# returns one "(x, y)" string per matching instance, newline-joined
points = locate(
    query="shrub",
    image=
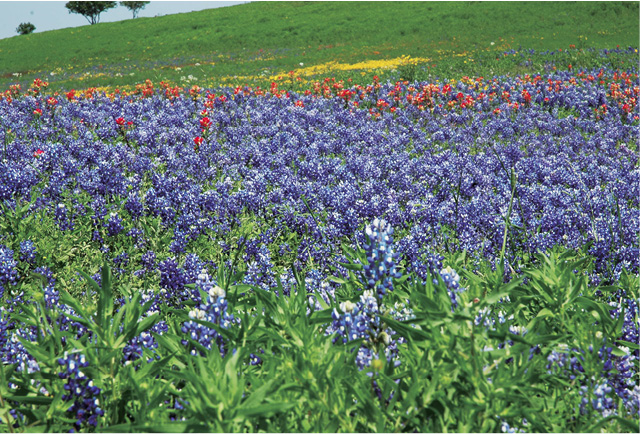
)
(25, 28)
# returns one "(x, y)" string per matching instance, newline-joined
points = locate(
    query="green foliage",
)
(455, 374)
(134, 7)
(25, 28)
(456, 36)
(91, 10)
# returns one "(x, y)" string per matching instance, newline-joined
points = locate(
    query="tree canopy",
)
(25, 28)
(90, 10)
(134, 7)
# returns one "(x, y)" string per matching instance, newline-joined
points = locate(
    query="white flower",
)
(347, 306)
(216, 291)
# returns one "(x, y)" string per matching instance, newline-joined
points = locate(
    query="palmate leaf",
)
(83, 317)
(601, 309)
(169, 343)
(254, 406)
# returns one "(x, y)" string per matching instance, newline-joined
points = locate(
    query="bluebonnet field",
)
(452, 255)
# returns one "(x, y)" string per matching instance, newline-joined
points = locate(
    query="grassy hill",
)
(264, 38)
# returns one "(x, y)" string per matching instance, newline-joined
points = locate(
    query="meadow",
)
(208, 48)
(356, 244)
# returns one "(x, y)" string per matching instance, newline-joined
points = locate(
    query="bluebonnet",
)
(361, 320)
(62, 218)
(114, 225)
(577, 186)
(134, 205)
(597, 400)
(148, 261)
(80, 391)
(28, 251)
(137, 236)
(8, 268)
(506, 428)
(51, 295)
(172, 277)
(120, 262)
(212, 309)
(134, 349)
(260, 271)
(381, 258)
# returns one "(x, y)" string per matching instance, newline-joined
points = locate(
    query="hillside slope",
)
(278, 36)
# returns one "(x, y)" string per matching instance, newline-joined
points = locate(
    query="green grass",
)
(271, 38)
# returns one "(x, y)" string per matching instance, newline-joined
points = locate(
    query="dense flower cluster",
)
(213, 310)
(430, 164)
(80, 391)
(361, 320)
(381, 258)
(8, 272)
(28, 251)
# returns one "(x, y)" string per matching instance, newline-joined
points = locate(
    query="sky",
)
(52, 15)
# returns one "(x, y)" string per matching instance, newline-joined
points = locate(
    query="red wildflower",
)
(205, 122)
(38, 153)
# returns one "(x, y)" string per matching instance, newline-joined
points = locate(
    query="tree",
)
(90, 10)
(134, 7)
(25, 28)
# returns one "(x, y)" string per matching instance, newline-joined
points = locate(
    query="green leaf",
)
(105, 301)
(321, 316)
(353, 267)
(627, 344)
(265, 410)
(405, 330)
(35, 400)
(146, 324)
(166, 427)
(544, 313)
(631, 426)
(169, 343)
